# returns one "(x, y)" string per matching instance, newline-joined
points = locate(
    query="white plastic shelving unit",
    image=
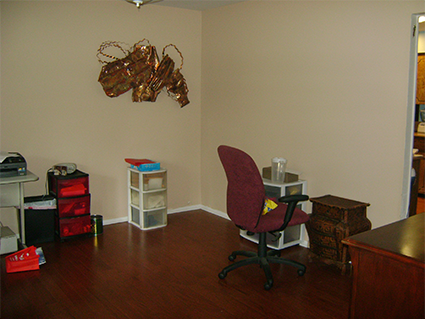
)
(147, 198)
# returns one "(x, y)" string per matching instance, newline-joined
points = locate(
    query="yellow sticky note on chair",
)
(269, 205)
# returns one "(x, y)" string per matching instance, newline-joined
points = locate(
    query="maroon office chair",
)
(245, 202)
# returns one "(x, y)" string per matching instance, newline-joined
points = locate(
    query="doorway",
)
(411, 110)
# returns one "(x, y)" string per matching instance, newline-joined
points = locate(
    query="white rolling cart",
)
(147, 198)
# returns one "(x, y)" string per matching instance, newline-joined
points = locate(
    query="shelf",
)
(149, 191)
(148, 210)
(154, 190)
(291, 236)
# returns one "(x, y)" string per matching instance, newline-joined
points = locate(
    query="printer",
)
(12, 164)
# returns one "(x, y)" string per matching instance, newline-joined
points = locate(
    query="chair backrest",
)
(245, 188)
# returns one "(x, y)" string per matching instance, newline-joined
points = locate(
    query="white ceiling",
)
(202, 5)
(199, 5)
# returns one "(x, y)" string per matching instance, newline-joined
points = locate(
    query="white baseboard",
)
(215, 212)
(115, 221)
(184, 209)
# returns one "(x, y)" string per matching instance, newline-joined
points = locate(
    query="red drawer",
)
(76, 184)
(67, 227)
(75, 206)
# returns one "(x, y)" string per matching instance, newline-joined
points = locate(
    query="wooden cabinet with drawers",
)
(333, 219)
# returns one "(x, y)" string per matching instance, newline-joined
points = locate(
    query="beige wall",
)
(323, 84)
(54, 110)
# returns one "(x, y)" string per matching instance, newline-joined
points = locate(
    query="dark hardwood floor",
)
(171, 272)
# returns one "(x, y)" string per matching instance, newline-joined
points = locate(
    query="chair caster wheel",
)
(232, 257)
(268, 285)
(222, 275)
(301, 272)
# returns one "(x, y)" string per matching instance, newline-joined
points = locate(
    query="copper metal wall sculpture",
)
(141, 70)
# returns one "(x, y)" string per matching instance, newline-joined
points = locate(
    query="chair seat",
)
(273, 220)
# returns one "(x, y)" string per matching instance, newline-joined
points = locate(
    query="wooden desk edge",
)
(390, 254)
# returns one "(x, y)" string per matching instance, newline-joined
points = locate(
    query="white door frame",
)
(410, 119)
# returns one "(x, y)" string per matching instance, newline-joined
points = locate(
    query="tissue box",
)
(147, 167)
